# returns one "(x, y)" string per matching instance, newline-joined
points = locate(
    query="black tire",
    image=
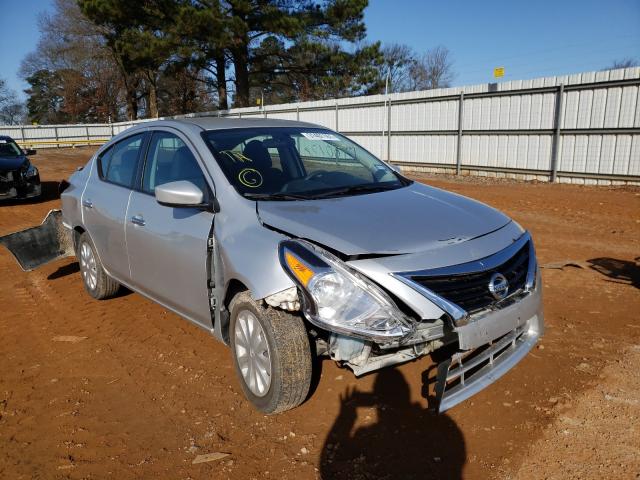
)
(289, 355)
(96, 281)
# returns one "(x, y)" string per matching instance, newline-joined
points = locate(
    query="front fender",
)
(248, 250)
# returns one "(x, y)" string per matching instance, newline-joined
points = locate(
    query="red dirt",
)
(125, 389)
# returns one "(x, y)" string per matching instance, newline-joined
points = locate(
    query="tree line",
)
(110, 60)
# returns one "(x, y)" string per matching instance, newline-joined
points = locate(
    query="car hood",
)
(411, 219)
(11, 163)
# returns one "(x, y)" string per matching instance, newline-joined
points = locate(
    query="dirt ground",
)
(125, 389)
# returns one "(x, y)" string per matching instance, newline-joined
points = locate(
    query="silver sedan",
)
(289, 242)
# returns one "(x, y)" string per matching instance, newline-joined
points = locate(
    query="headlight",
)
(339, 299)
(30, 172)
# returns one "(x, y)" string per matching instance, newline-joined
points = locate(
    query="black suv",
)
(18, 177)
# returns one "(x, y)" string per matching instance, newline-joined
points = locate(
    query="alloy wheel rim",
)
(88, 266)
(252, 353)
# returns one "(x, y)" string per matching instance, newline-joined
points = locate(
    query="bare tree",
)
(5, 93)
(75, 48)
(434, 69)
(624, 63)
(12, 113)
(398, 60)
(11, 108)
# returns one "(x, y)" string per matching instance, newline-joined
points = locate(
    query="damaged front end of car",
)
(485, 333)
(366, 328)
(19, 183)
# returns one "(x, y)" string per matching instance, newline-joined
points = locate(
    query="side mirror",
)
(30, 151)
(180, 194)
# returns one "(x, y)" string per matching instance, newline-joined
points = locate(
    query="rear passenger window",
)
(118, 164)
(169, 160)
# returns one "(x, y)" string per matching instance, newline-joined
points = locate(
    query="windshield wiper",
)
(276, 196)
(362, 188)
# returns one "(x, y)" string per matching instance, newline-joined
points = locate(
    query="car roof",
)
(7, 138)
(199, 124)
(224, 123)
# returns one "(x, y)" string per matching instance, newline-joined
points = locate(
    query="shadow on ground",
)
(620, 271)
(65, 270)
(74, 268)
(400, 440)
(50, 191)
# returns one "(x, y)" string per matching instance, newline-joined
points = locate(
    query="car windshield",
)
(9, 148)
(293, 163)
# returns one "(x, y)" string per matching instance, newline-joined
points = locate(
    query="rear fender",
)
(37, 246)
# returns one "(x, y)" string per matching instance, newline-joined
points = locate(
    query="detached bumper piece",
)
(466, 373)
(37, 246)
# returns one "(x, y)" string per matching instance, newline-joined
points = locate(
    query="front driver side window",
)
(170, 160)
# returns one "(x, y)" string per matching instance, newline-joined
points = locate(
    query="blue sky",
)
(529, 38)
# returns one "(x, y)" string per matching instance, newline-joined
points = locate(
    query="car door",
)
(105, 201)
(168, 246)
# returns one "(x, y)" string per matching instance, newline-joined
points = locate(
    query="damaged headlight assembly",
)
(339, 299)
(30, 172)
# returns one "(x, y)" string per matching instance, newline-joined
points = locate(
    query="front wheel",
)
(271, 354)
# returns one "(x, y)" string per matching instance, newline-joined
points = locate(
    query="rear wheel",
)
(96, 281)
(271, 354)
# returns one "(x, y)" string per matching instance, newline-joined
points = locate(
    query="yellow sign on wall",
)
(498, 72)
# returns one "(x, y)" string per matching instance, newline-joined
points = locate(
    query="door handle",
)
(87, 203)
(138, 220)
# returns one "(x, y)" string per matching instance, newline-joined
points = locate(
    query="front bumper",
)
(21, 190)
(490, 345)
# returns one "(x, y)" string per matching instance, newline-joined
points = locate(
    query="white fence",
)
(582, 128)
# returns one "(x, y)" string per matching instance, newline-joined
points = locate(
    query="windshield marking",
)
(236, 156)
(320, 136)
(250, 177)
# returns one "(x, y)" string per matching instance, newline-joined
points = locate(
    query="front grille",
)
(6, 176)
(470, 291)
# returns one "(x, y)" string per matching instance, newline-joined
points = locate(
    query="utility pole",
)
(386, 95)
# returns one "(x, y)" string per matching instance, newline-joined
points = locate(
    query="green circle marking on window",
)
(250, 177)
